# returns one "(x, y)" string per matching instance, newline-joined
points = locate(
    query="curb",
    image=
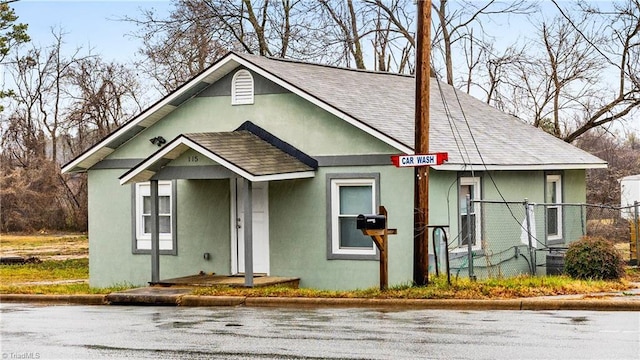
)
(512, 304)
(581, 304)
(397, 304)
(84, 299)
(198, 300)
(450, 304)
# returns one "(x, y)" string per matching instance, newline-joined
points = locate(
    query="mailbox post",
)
(376, 227)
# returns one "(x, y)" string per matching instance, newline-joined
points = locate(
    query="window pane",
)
(355, 200)
(352, 237)
(146, 221)
(465, 230)
(164, 204)
(464, 191)
(551, 192)
(146, 204)
(552, 221)
(165, 224)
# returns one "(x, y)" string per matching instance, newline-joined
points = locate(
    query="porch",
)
(205, 280)
(250, 158)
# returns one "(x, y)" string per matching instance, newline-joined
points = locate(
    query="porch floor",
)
(232, 281)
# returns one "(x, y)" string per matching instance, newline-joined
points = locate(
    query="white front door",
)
(260, 205)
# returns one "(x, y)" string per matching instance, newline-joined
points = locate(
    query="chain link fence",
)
(507, 239)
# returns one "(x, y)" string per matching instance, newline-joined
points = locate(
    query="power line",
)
(583, 35)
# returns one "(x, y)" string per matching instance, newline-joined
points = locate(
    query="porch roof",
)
(242, 151)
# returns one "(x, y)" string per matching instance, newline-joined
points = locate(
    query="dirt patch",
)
(45, 247)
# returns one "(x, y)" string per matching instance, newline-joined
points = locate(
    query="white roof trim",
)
(479, 167)
(130, 177)
(147, 113)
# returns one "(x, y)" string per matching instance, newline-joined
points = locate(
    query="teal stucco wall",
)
(203, 226)
(289, 117)
(299, 231)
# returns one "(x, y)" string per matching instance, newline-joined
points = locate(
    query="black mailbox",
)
(374, 222)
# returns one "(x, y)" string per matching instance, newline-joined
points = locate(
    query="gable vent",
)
(242, 88)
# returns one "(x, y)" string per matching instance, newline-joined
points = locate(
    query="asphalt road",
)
(99, 332)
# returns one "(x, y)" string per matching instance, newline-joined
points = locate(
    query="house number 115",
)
(193, 158)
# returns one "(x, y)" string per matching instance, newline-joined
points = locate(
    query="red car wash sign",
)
(419, 160)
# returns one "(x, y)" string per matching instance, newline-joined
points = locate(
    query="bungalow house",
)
(311, 145)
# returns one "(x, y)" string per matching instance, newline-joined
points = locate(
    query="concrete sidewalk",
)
(628, 300)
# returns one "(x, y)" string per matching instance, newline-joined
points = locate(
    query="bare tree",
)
(394, 42)
(580, 73)
(602, 184)
(37, 75)
(197, 33)
(622, 54)
(333, 32)
(180, 46)
(102, 97)
(455, 23)
(71, 100)
(345, 15)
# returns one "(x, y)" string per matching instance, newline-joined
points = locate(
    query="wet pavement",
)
(146, 332)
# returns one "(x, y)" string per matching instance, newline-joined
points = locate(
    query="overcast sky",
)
(88, 24)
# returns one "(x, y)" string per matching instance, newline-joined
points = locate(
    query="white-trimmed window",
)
(166, 207)
(469, 186)
(553, 199)
(242, 88)
(348, 198)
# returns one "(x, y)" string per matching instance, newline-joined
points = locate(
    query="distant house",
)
(312, 143)
(629, 194)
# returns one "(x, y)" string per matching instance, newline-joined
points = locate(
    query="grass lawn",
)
(463, 288)
(46, 271)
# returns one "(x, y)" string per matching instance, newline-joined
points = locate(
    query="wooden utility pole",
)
(421, 188)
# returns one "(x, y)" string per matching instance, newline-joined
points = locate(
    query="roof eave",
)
(518, 167)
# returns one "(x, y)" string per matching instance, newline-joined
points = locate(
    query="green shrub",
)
(593, 258)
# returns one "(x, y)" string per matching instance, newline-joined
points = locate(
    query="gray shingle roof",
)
(241, 151)
(385, 102)
(248, 152)
(383, 105)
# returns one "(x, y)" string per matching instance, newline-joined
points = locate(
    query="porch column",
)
(155, 233)
(248, 233)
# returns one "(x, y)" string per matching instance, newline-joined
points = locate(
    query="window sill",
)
(555, 242)
(148, 252)
(332, 256)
